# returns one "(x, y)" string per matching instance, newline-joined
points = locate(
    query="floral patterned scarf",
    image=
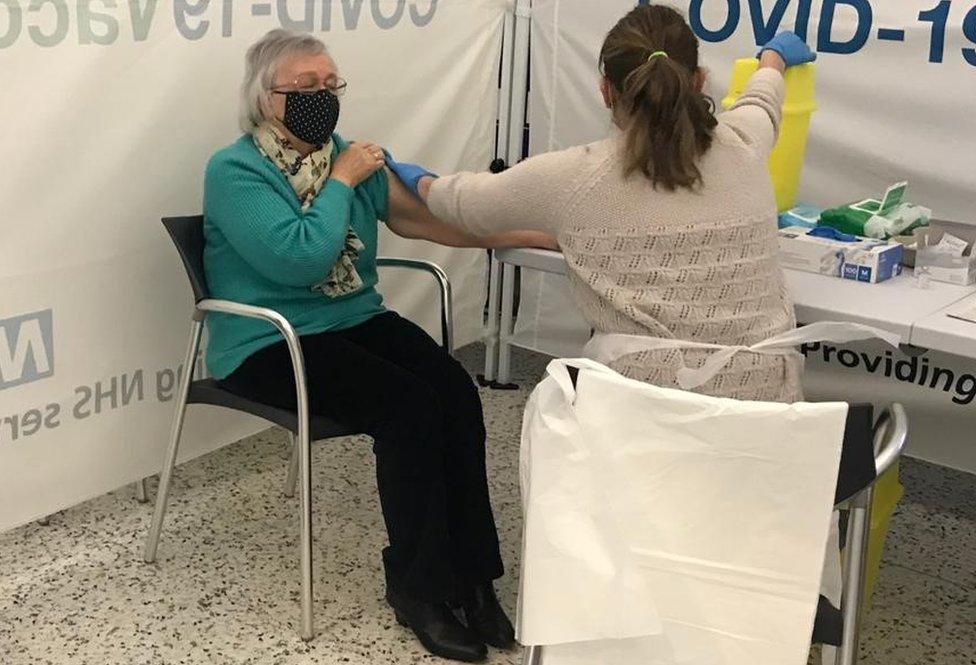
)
(307, 176)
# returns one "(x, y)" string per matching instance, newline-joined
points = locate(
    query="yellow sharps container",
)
(786, 160)
(888, 491)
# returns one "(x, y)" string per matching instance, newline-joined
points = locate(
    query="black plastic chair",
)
(870, 449)
(187, 235)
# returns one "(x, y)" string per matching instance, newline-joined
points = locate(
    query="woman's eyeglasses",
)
(311, 85)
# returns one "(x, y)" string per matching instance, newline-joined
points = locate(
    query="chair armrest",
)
(890, 436)
(291, 339)
(444, 287)
(249, 311)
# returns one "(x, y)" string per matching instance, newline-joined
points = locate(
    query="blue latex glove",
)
(409, 174)
(832, 234)
(791, 48)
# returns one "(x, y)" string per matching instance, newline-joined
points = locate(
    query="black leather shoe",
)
(437, 628)
(487, 618)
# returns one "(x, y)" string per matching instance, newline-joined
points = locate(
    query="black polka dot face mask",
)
(312, 116)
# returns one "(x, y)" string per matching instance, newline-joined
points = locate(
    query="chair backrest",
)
(187, 235)
(857, 470)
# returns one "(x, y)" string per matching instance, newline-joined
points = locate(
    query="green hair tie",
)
(657, 54)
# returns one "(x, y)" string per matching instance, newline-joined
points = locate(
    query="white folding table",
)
(899, 305)
(944, 333)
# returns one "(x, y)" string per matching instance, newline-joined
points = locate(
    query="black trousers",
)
(390, 380)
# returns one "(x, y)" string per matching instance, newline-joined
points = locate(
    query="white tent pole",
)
(511, 124)
(505, 93)
(503, 152)
(520, 80)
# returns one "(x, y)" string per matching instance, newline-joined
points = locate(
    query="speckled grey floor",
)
(225, 587)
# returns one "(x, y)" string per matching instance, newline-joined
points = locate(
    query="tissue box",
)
(863, 260)
(944, 267)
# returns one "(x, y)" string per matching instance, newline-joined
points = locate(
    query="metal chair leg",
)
(162, 494)
(142, 493)
(855, 559)
(532, 655)
(293, 463)
(305, 471)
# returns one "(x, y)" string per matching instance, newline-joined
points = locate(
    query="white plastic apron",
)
(666, 527)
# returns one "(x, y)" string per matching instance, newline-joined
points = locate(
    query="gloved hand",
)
(409, 174)
(791, 48)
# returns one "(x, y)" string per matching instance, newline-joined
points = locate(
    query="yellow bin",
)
(887, 493)
(786, 160)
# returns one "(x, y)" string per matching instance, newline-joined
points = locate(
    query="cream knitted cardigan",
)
(693, 265)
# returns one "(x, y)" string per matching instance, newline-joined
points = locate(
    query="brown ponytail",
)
(668, 123)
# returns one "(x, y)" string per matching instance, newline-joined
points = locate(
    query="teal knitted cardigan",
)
(262, 250)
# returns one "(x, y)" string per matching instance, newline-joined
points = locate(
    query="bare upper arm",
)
(407, 213)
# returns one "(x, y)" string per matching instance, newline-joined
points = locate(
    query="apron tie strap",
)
(606, 347)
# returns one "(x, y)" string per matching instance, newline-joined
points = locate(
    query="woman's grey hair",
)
(262, 61)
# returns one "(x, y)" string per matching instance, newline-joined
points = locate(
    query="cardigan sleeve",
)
(528, 196)
(755, 116)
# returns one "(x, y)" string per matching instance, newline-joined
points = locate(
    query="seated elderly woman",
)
(291, 213)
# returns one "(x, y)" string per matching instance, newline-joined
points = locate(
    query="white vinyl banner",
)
(112, 110)
(937, 389)
(896, 85)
